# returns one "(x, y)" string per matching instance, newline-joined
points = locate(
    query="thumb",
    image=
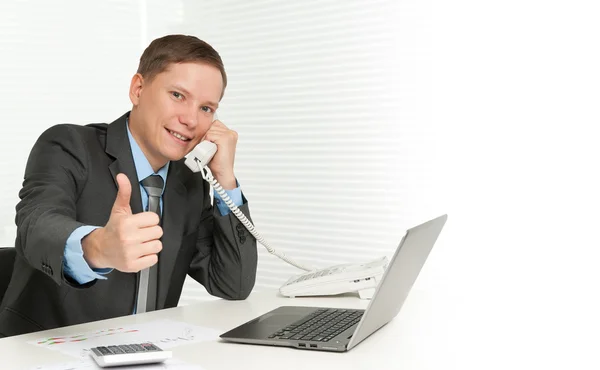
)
(123, 195)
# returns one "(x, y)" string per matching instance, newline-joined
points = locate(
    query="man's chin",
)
(174, 157)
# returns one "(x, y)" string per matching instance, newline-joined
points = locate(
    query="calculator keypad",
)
(127, 348)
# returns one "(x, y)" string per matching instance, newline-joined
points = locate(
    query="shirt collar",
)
(142, 166)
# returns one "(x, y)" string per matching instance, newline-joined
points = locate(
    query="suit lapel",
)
(174, 199)
(117, 145)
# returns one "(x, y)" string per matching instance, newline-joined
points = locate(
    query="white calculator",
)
(129, 354)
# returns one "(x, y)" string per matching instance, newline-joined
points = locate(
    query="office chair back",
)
(7, 261)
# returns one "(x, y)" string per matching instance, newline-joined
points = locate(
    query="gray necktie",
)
(147, 288)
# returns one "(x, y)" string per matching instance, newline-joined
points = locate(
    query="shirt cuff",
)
(236, 198)
(74, 264)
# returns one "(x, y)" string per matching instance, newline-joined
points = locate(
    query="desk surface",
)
(394, 343)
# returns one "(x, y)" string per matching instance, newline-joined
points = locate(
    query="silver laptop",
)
(339, 330)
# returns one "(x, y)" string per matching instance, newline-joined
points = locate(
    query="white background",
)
(500, 102)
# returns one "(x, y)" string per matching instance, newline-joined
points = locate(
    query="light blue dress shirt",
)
(75, 265)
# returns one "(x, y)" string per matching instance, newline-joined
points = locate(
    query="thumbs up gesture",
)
(128, 242)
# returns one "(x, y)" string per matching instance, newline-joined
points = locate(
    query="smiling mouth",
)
(178, 135)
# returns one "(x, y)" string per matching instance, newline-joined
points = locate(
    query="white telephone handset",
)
(361, 278)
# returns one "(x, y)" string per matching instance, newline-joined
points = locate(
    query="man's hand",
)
(128, 242)
(221, 165)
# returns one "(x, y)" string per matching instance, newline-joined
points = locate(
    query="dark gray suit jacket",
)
(69, 182)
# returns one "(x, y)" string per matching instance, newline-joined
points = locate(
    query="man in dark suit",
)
(94, 241)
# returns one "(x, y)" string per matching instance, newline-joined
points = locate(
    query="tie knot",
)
(154, 185)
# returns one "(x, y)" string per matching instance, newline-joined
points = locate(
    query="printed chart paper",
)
(165, 334)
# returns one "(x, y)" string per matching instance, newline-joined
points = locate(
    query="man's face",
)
(172, 112)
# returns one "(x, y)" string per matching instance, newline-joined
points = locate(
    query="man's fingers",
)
(146, 255)
(150, 233)
(217, 124)
(145, 219)
(151, 247)
(216, 129)
(216, 136)
(145, 262)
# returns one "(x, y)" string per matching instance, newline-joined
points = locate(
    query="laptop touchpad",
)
(277, 320)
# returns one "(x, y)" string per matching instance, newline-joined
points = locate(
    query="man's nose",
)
(189, 118)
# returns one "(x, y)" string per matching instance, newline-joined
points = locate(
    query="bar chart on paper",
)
(164, 333)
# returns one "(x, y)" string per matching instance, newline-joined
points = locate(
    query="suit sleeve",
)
(45, 215)
(226, 258)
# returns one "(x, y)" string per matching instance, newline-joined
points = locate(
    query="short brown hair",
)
(178, 49)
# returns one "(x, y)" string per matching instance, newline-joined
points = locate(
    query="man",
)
(111, 220)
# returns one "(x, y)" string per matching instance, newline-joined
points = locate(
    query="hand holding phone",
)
(222, 163)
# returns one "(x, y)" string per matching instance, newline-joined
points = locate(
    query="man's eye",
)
(207, 109)
(176, 95)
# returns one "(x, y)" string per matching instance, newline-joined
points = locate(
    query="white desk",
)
(392, 343)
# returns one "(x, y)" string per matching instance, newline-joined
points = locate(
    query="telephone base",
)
(361, 278)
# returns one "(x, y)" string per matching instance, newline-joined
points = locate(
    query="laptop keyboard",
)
(321, 325)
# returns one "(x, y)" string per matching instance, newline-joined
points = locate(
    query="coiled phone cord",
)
(207, 175)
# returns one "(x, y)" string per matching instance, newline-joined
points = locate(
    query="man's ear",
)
(135, 88)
